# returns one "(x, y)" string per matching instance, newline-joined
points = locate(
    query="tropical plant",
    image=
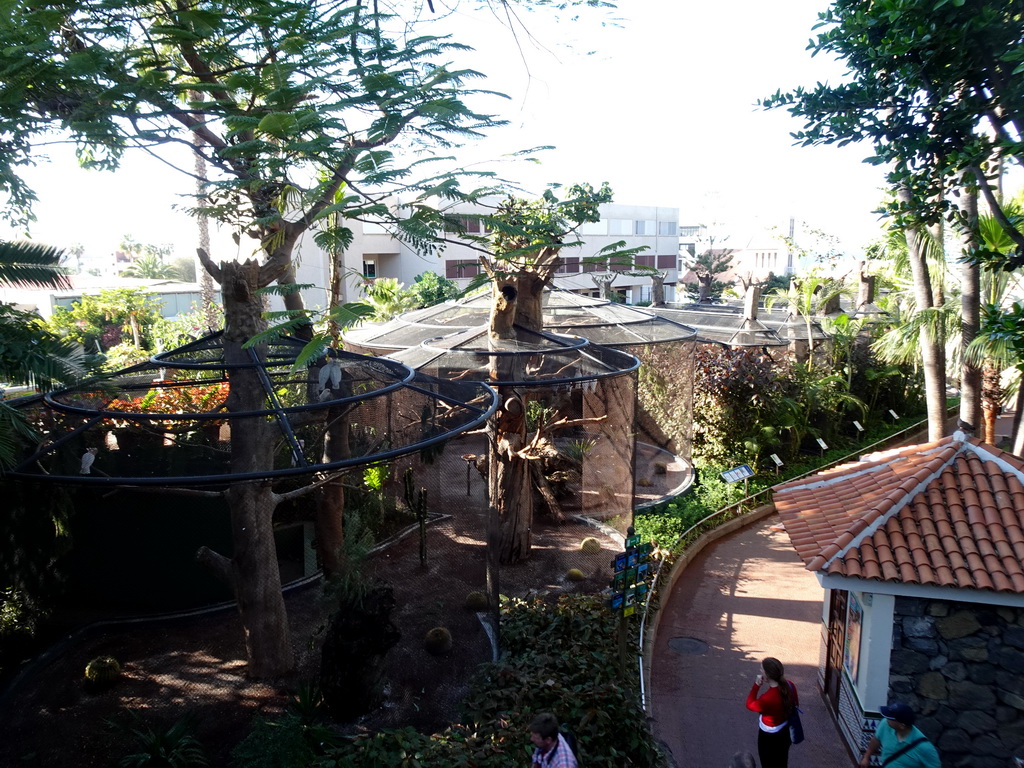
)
(157, 747)
(430, 288)
(807, 299)
(152, 267)
(388, 298)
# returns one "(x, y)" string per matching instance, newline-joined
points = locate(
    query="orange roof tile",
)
(949, 513)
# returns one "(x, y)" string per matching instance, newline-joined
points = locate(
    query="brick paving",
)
(745, 597)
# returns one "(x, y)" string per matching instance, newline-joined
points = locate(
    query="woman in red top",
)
(774, 706)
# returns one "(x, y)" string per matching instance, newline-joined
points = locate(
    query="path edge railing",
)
(719, 523)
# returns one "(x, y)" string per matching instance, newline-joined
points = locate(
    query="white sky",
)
(663, 109)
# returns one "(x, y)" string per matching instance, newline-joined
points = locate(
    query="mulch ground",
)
(197, 665)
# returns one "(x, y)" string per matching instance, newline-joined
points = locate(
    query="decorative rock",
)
(966, 695)
(918, 627)
(960, 624)
(989, 744)
(1015, 701)
(907, 662)
(953, 740)
(1014, 636)
(955, 670)
(1005, 714)
(901, 685)
(946, 715)
(923, 644)
(940, 661)
(909, 606)
(976, 721)
(1012, 734)
(938, 609)
(982, 674)
(1011, 660)
(969, 649)
(932, 685)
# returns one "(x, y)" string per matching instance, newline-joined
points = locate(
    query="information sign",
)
(858, 426)
(741, 472)
(630, 569)
(776, 459)
(821, 442)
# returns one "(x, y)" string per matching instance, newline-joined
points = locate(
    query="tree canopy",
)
(936, 86)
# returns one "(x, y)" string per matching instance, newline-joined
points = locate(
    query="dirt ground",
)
(196, 665)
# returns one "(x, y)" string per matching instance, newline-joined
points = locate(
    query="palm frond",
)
(31, 265)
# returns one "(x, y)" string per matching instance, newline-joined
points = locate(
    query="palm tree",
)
(151, 267)
(807, 298)
(30, 354)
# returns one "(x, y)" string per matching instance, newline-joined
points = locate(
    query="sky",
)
(660, 103)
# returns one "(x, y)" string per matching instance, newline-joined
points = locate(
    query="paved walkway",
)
(745, 597)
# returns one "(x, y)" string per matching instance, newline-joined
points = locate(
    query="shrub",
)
(102, 672)
(477, 601)
(575, 574)
(590, 545)
(560, 657)
(438, 641)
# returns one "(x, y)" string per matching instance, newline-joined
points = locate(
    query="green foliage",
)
(387, 298)
(737, 395)
(577, 450)
(430, 288)
(560, 657)
(152, 267)
(89, 317)
(171, 334)
(158, 747)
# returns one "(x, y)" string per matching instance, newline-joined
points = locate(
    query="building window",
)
(666, 260)
(645, 260)
(668, 228)
(645, 227)
(620, 226)
(454, 269)
(594, 227)
(370, 270)
(570, 266)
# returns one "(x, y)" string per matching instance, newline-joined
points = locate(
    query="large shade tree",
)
(303, 104)
(935, 87)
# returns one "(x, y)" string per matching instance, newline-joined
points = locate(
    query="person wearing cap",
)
(902, 744)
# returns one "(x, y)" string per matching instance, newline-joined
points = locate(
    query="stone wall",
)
(961, 666)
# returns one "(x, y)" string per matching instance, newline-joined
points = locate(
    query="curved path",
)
(746, 596)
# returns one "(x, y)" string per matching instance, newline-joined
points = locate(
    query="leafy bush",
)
(559, 657)
(171, 747)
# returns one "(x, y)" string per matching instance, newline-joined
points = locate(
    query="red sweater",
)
(769, 704)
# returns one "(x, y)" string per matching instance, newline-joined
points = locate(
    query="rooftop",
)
(948, 514)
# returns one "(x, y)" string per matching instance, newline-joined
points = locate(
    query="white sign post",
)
(824, 447)
(778, 462)
(859, 428)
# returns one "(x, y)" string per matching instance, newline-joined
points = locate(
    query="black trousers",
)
(773, 748)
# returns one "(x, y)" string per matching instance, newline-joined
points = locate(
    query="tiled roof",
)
(948, 513)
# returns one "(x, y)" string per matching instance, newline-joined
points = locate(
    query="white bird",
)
(87, 459)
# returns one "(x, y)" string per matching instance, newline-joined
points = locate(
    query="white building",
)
(375, 253)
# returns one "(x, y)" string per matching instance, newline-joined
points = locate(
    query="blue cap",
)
(900, 712)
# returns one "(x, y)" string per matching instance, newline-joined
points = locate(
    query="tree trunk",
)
(203, 222)
(658, 289)
(991, 400)
(704, 287)
(970, 324)
(330, 502)
(932, 352)
(509, 479)
(254, 569)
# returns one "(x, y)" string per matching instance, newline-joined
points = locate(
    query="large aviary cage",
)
(142, 452)
(664, 346)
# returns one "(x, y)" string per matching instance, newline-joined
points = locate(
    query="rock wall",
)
(961, 666)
